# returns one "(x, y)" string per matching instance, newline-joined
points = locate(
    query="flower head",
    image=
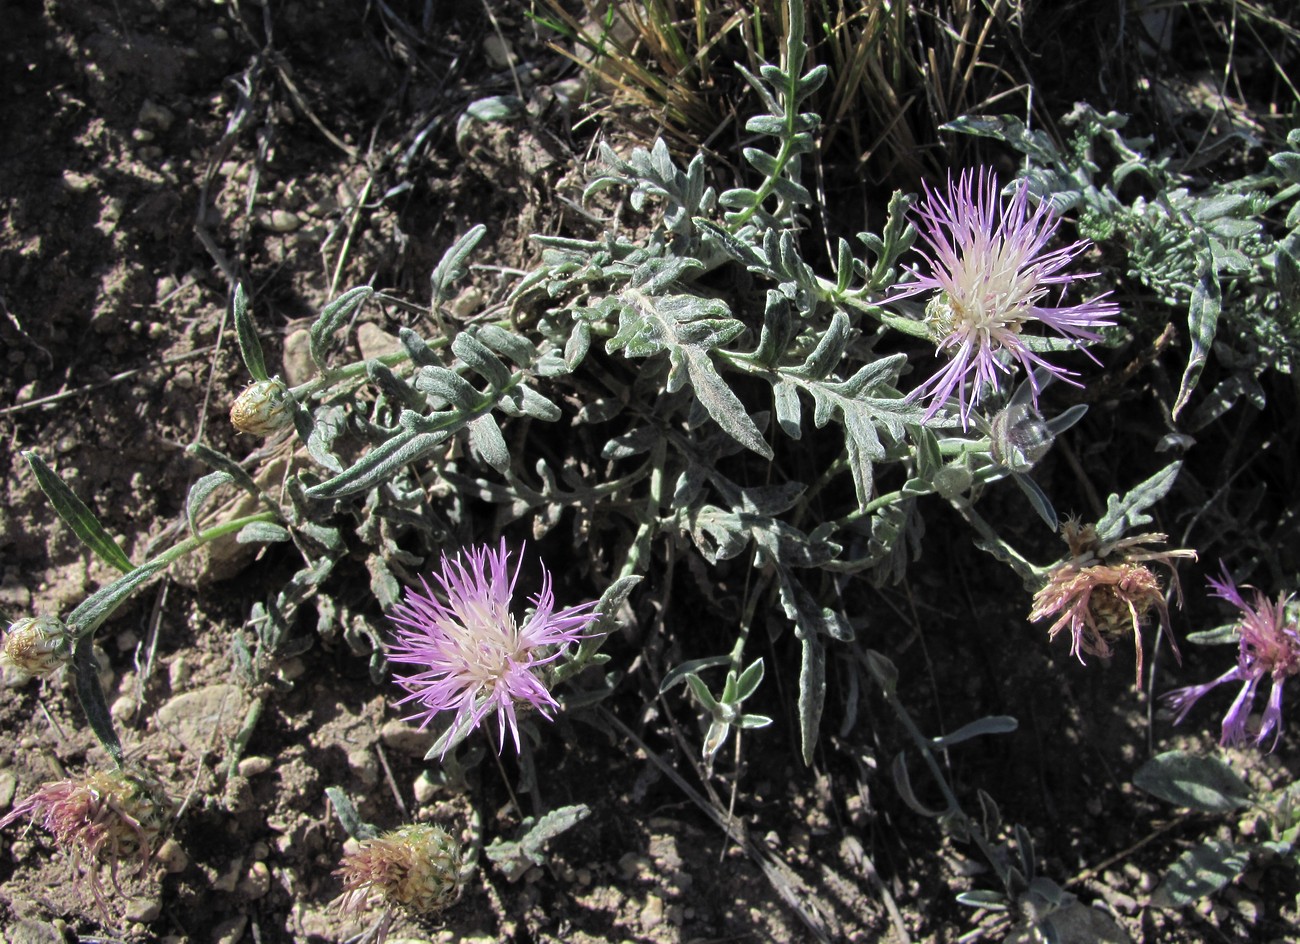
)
(104, 819)
(1105, 589)
(36, 646)
(263, 408)
(1269, 647)
(416, 868)
(472, 655)
(990, 273)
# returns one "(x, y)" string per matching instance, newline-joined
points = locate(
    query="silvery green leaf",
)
(702, 694)
(262, 532)
(1202, 325)
(1200, 871)
(85, 671)
(812, 693)
(481, 360)
(92, 611)
(679, 673)
(514, 858)
(380, 464)
(508, 344)
(74, 512)
(753, 722)
(903, 783)
(1287, 164)
(722, 404)
(789, 412)
(830, 349)
(449, 386)
(749, 680)
(216, 460)
(1193, 781)
(486, 441)
(419, 350)
(332, 317)
(382, 582)
(1125, 514)
(393, 386)
(250, 349)
(983, 898)
(993, 724)
(199, 494)
(329, 423)
(528, 402)
(632, 443)
(350, 820)
(1219, 636)
(576, 347)
(454, 263)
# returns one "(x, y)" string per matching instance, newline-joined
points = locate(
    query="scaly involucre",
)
(472, 657)
(1269, 647)
(991, 274)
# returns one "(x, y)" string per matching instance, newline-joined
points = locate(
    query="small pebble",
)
(257, 881)
(283, 221)
(123, 709)
(252, 766)
(173, 858)
(142, 910)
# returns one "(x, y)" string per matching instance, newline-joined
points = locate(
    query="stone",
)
(230, 930)
(203, 717)
(374, 341)
(254, 765)
(8, 786)
(142, 910)
(405, 739)
(173, 857)
(297, 363)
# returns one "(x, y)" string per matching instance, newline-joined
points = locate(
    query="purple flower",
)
(1269, 647)
(472, 656)
(990, 274)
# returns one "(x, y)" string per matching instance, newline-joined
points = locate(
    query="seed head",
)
(36, 645)
(416, 868)
(1268, 648)
(263, 408)
(990, 273)
(105, 819)
(472, 657)
(1106, 590)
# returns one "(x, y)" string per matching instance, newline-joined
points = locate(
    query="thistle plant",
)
(700, 386)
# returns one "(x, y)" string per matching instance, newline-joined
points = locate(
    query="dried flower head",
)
(990, 272)
(472, 655)
(1105, 589)
(106, 818)
(36, 645)
(416, 868)
(1268, 647)
(263, 408)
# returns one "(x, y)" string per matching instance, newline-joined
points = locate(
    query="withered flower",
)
(1107, 589)
(107, 818)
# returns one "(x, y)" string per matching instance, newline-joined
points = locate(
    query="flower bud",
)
(1020, 437)
(263, 408)
(36, 645)
(414, 867)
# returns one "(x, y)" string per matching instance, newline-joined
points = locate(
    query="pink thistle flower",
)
(989, 271)
(103, 819)
(1269, 647)
(473, 657)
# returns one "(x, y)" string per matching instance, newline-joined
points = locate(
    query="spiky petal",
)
(1268, 648)
(472, 656)
(990, 273)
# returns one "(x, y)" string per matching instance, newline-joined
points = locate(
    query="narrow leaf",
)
(249, 347)
(76, 515)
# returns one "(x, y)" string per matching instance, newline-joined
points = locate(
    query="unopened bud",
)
(263, 408)
(1020, 437)
(415, 867)
(36, 645)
